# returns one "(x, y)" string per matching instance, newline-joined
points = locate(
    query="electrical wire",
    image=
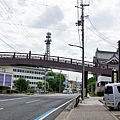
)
(101, 35)
(13, 42)
(23, 30)
(8, 44)
(36, 43)
(40, 27)
(78, 19)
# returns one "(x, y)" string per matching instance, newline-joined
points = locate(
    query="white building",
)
(33, 74)
(103, 80)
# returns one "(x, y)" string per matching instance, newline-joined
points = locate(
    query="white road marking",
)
(1, 108)
(32, 101)
(41, 117)
(13, 99)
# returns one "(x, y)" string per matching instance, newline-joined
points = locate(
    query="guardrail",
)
(77, 101)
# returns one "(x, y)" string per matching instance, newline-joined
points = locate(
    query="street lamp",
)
(75, 46)
(83, 78)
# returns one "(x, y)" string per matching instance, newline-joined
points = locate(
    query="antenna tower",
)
(48, 42)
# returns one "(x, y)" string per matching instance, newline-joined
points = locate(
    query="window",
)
(108, 90)
(14, 70)
(118, 87)
(1, 79)
(8, 79)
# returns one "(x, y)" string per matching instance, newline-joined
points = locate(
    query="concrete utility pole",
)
(119, 61)
(81, 22)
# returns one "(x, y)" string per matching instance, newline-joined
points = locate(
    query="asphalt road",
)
(33, 107)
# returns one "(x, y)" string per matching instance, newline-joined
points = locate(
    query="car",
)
(112, 95)
(67, 91)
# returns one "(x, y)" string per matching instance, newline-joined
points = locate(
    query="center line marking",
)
(32, 101)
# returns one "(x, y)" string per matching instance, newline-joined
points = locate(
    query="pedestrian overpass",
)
(53, 62)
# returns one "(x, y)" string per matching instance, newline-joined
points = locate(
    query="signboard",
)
(50, 77)
(66, 83)
(114, 76)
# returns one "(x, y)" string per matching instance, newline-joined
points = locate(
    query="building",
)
(72, 85)
(107, 60)
(10, 73)
(6, 79)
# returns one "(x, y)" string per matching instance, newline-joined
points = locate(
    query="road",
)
(33, 107)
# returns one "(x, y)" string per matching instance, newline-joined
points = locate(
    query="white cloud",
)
(49, 17)
(24, 24)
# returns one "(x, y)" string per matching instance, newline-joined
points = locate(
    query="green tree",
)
(39, 85)
(21, 84)
(59, 84)
(47, 85)
(56, 83)
(91, 83)
(51, 81)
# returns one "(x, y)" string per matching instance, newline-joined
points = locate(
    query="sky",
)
(24, 24)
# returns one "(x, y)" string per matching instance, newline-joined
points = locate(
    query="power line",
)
(39, 27)
(100, 34)
(101, 37)
(12, 41)
(16, 19)
(78, 23)
(8, 45)
(23, 30)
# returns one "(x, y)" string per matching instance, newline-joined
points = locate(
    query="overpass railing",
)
(43, 57)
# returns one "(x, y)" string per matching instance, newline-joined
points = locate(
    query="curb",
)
(63, 115)
(102, 101)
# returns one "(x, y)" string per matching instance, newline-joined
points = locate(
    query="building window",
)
(1, 79)
(8, 79)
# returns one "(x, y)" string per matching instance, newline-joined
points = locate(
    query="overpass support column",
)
(85, 83)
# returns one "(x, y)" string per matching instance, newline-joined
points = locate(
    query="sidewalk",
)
(90, 109)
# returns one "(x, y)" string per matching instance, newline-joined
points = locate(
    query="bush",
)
(16, 91)
(92, 94)
(50, 90)
(4, 88)
(9, 91)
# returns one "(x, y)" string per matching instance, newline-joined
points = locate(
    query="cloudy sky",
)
(24, 24)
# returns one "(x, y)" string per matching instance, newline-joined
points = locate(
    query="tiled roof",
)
(105, 54)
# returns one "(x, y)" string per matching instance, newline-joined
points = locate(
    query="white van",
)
(112, 95)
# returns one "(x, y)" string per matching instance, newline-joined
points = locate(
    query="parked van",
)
(112, 95)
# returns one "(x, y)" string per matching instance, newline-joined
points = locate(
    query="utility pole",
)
(81, 22)
(83, 68)
(60, 82)
(119, 61)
